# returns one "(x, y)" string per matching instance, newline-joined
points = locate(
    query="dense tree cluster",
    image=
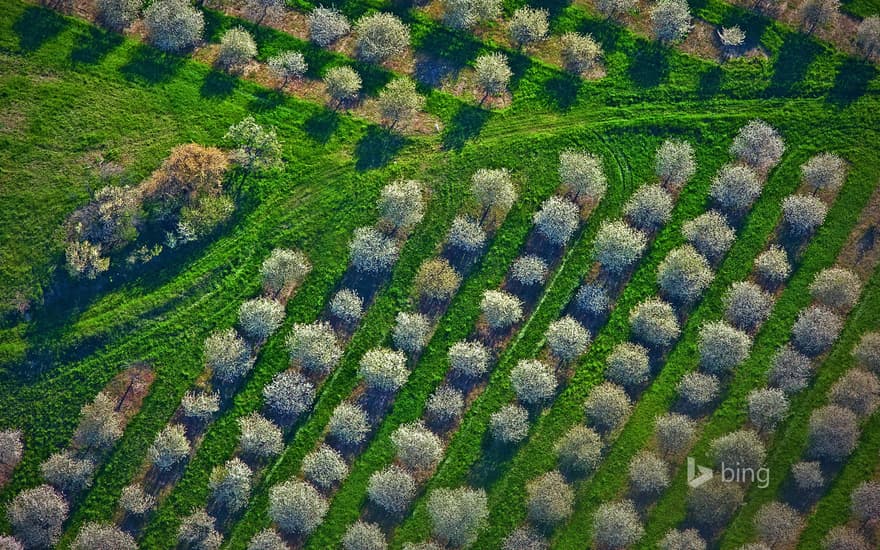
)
(592, 299)
(327, 25)
(67, 472)
(198, 531)
(411, 332)
(314, 347)
(684, 275)
(557, 220)
(808, 476)
(674, 162)
(135, 501)
(117, 15)
(267, 539)
(739, 449)
(767, 407)
(380, 36)
(735, 188)
(844, 537)
(815, 330)
(758, 144)
(772, 266)
(712, 504)
(259, 318)
(466, 235)
(697, 390)
(469, 358)
(227, 355)
(858, 390)
(866, 501)
(288, 66)
(230, 485)
(868, 37)
(173, 25)
(649, 207)
(689, 539)
(825, 171)
(615, 8)
(37, 516)
(803, 214)
(445, 405)
(867, 352)
(401, 204)
(816, 14)
(364, 536)
(836, 288)
(607, 406)
(778, 524)
(648, 474)
(466, 14)
(653, 322)
(833, 433)
(674, 432)
(710, 234)
(617, 246)
(525, 537)
(457, 514)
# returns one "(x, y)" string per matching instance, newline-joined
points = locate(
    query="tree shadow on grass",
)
(36, 26)
(218, 85)
(96, 47)
(150, 66)
(563, 90)
(321, 125)
(792, 62)
(710, 82)
(851, 82)
(377, 148)
(464, 125)
(266, 100)
(649, 65)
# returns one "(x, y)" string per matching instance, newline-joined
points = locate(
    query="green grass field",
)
(71, 93)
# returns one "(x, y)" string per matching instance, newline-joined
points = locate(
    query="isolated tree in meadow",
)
(383, 370)
(684, 275)
(550, 499)
(457, 514)
(267, 539)
(169, 448)
(722, 347)
(411, 332)
(392, 489)
(259, 437)
(778, 524)
(494, 191)
(237, 49)
(758, 144)
(315, 347)
(117, 15)
(528, 25)
(284, 269)
(173, 25)
(671, 20)
(343, 84)
(255, 148)
(135, 501)
(230, 485)
(324, 467)
(607, 406)
(37, 516)
(825, 171)
(747, 305)
(808, 476)
(288, 396)
(399, 100)
(791, 370)
(364, 536)
(689, 539)
(469, 358)
(617, 246)
(445, 405)
(648, 208)
(767, 407)
(712, 504)
(567, 339)
(579, 451)
(836, 288)
(380, 36)
(347, 305)
(867, 352)
(592, 299)
(615, 9)
(510, 424)
(803, 214)
(349, 424)
(418, 448)
(528, 270)
(557, 220)
(260, 317)
(102, 536)
(466, 235)
(868, 37)
(68, 473)
(710, 234)
(817, 14)
(628, 365)
(648, 474)
(288, 66)
(100, 424)
(866, 501)
(372, 251)
(501, 309)
(525, 537)
(735, 188)
(674, 432)
(653, 323)
(466, 14)
(844, 537)
(296, 507)
(582, 175)
(739, 449)
(401, 204)
(436, 280)
(533, 381)
(858, 390)
(616, 525)
(772, 266)
(697, 390)
(815, 330)
(227, 355)
(580, 52)
(674, 162)
(327, 25)
(833, 433)
(492, 74)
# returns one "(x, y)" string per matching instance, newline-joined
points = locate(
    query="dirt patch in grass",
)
(862, 250)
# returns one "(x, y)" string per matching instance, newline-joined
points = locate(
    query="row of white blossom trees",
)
(725, 344)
